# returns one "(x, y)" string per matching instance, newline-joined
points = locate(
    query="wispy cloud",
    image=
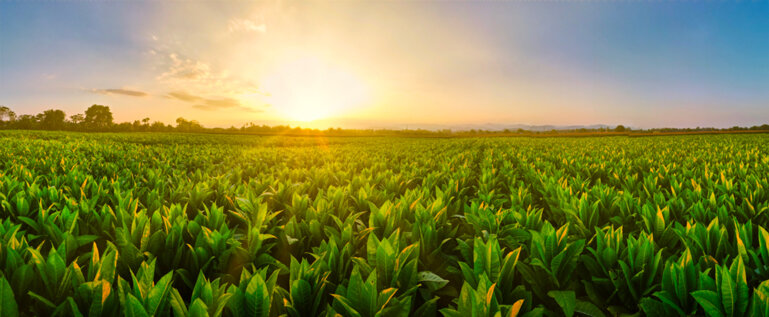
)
(183, 96)
(124, 92)
(180, 71)
(214, 104)
(202, 83)
(185, 69)
(210, 104)
(245, 25)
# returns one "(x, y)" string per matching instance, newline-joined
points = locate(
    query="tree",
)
(6, 112)
(187, 126)
(77, 118)
(52, 119)
(620, 128)
(158, 126)
(98, 117)
(26, 121)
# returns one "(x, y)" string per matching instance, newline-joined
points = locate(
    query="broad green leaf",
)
(726, 289)
(710, 302)
(8, 305)
(158, 294)
(134, 307)
(198, 309)
(434, 281)
(257, 297)
(346, 305)
(588, 309)
(566, 299)
(301, 294)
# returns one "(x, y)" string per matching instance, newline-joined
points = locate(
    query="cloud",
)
(124, 92)
(210, 104)
(183, 96)
(186, 69)
(202, 85)
(181, 72)
(245, 25)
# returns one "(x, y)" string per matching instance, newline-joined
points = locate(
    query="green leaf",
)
(56, 266)
(385, 262)
(72, 307)
(710, 302)
(198, 309)
(385, 297)
(301, 295)
(741, 292)
(432, 280)
(466, 300)
(108, 265)
(8, 305)
(566, 299)
(588, 308)
(158, 294)
(42, 299)
(652, 307)
(668, 301)
(346, 305)
(199, 289)
(726, 288)
(257, 297)
(177, 303)
(134, 307)
(427, 308)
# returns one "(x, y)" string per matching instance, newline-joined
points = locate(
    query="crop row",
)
(196, 225)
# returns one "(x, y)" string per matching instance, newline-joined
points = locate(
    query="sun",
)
(308, 88)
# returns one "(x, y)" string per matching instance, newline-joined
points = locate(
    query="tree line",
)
(98, 118)
(95, 118)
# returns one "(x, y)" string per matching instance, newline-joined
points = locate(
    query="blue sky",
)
(643, 64)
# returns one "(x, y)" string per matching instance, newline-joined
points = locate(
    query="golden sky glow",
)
(306, 88)
(390, 64)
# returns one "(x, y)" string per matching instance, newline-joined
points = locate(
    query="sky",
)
(391, 64)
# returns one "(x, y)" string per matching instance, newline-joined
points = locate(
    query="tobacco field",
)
(150, 224)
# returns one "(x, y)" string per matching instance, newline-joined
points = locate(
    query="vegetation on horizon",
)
(227, 225)
(98, 118)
